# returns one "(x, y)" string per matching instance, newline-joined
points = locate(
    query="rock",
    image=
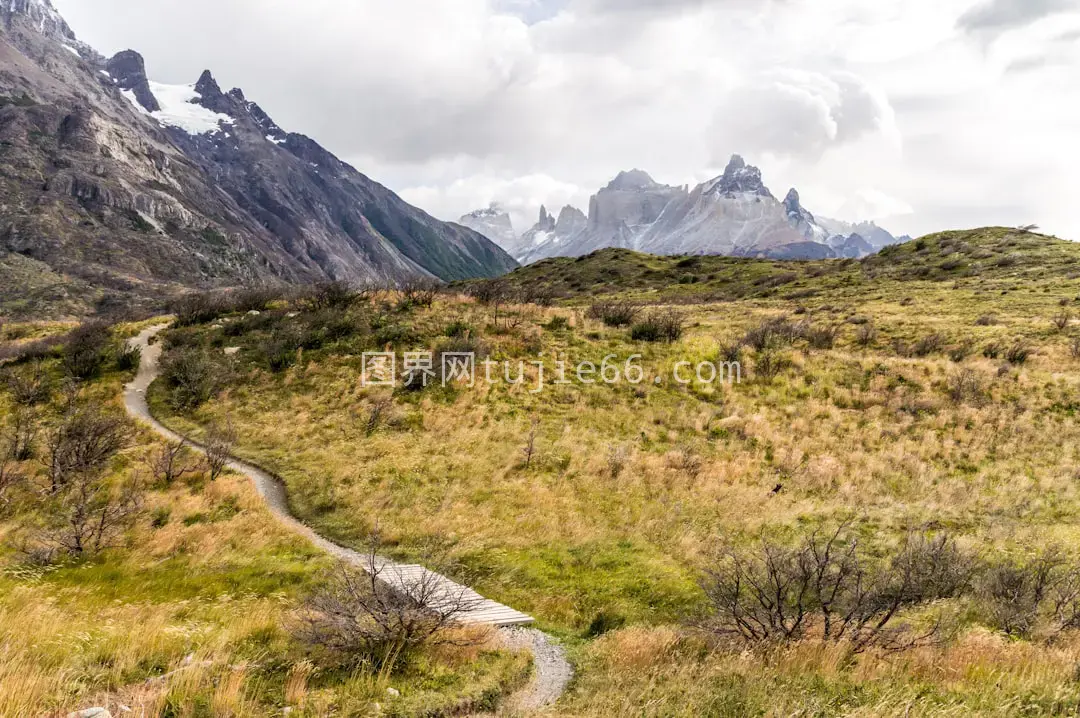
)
(393, 692)
(254, 313)
(232, 351)
(128, 69)
(91, 713)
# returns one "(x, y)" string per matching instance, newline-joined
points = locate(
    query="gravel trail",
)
(552, 672)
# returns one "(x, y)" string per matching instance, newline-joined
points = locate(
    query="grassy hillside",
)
(932, 389)
(187, 608)
(989, 258)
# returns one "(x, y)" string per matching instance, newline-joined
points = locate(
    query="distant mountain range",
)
(734, 214)
(113, 185)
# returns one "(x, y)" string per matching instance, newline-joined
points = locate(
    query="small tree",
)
(827, 586)
(167, 462)
(90, 514)
(220, 441)
(29, 386)
(379, 613)
(83, 443)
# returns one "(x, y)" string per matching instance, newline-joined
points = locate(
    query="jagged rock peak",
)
(740, 178)
(571, 221)
(631, 180)
(128, 69)
(547, 222)
(207, 86)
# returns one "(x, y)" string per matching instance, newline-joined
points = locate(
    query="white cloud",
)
(459, 103)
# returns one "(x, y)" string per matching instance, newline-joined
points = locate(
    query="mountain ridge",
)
(733, 214)
(120, 186)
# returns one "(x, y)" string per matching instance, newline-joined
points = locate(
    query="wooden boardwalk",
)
(404, 578)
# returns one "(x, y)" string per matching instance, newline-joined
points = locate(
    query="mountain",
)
(734, 214)
(495, 224)
(113, 186)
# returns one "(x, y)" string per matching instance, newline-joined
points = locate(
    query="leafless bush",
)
(774, 333)
(1074, 347)
(419, 293)
(1018, 354)
(664, 325)
(489, 292)
(540, 295)
(961, 351)
(729, 353)
(965, 385)
(29, 385)
(828, 587)
(89, 514)
(1041, 592)
(379, 407)
(381, 613)
(618, 457)
(205, 307)
(1062, 320)
(167, 464)
(219, 444)
(986, 320)
(614, 313)
(83, 443)
(930, 344)
(335, 295)
(822, 337)
(769, 363)
(866, 336)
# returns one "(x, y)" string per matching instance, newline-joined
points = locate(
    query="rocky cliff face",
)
(113, 186)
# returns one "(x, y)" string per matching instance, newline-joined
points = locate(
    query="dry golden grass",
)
(631, 489)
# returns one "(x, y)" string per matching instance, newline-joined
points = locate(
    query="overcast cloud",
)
(923, 114)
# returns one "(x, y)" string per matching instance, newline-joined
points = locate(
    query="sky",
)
(923, 115)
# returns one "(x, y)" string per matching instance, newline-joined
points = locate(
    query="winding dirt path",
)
(552, 670)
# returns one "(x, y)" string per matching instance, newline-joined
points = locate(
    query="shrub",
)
(1015, 595)
(29, 386)
(129, 358)
(1018, 354)
(773, 333)
(558, 324)
(191, 376)
(828, 584)
(961, 351)
(379, 615)
(457, 329)
(769, 363)
(986, 320)
(1062, 320)
(930, 344)
(866, 336)
(333, 295)
(1074, 347)
(965, 385)
(822, 337)
(659, 326)
(86, 350)
(993, 350)
(614, 314)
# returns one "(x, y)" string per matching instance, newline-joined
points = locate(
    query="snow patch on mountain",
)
(179, 109)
